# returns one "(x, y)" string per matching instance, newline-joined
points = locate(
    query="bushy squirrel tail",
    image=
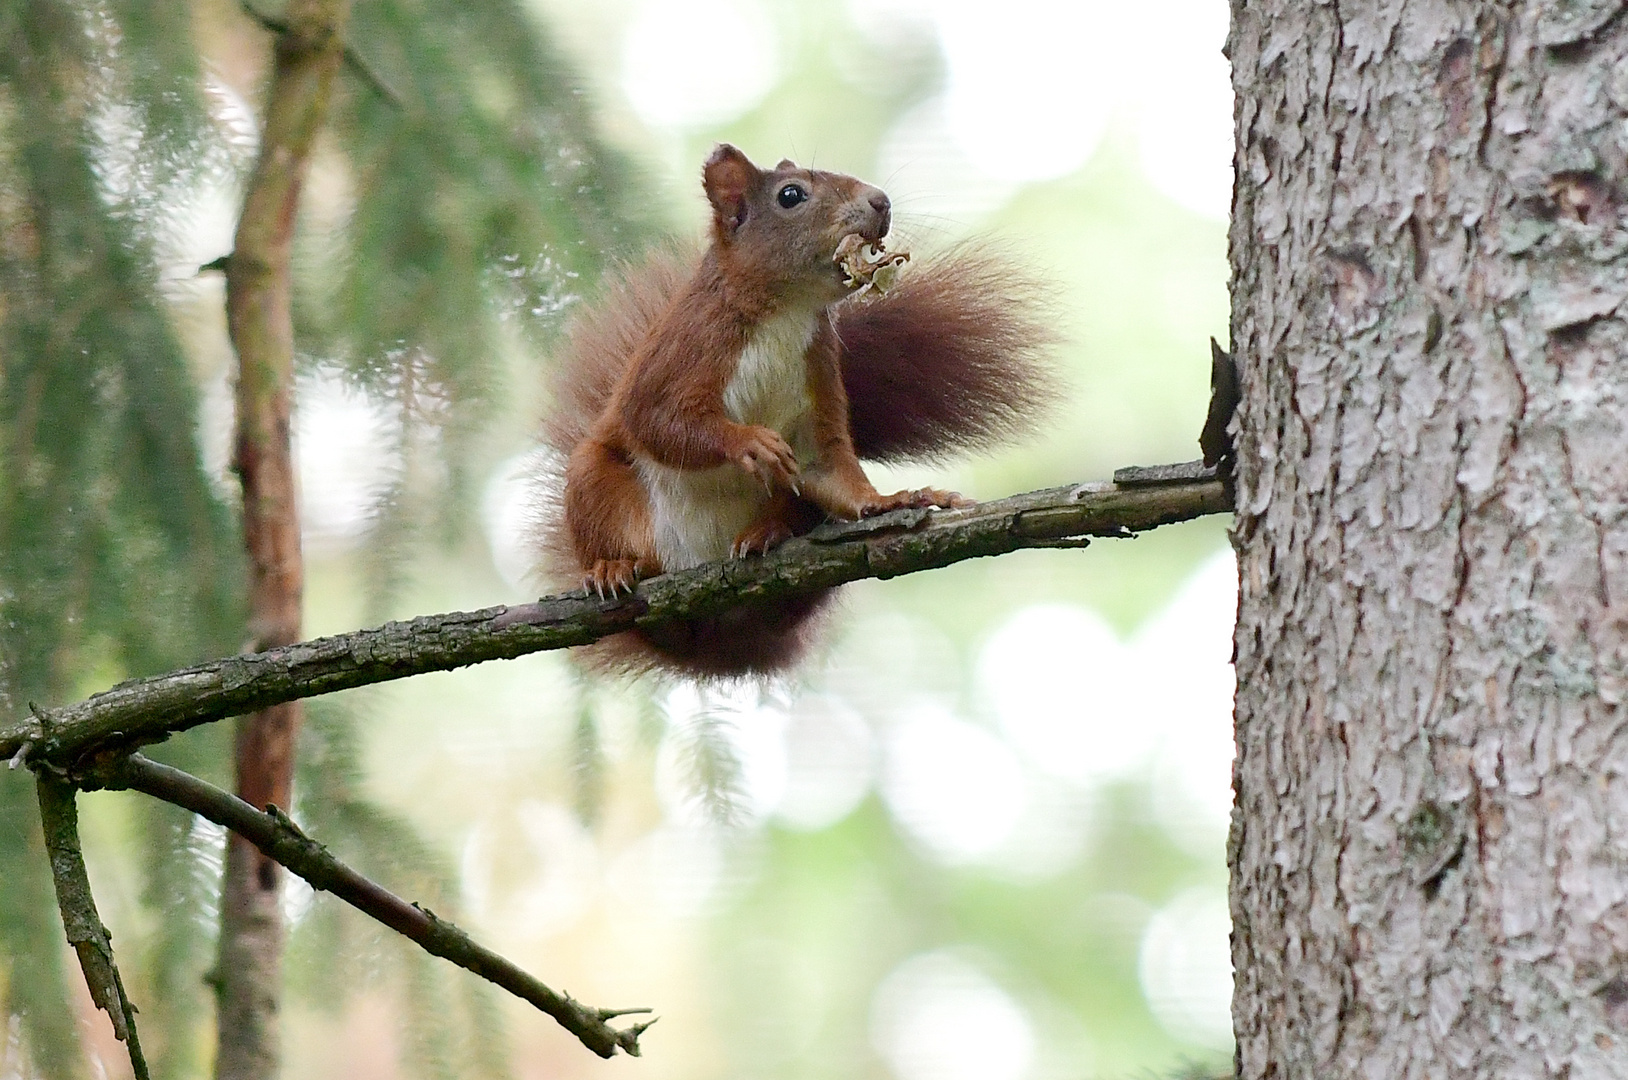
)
(951, 359)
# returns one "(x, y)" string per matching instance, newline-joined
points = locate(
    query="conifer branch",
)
(905, 541)
(59, 815)
(276, 835)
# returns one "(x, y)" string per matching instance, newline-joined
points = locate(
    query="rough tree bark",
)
(1430, 851)
(248, 973)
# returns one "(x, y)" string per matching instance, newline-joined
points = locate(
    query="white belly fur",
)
(697, 513)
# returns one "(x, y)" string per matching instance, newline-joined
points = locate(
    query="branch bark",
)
(280, 839)
(260, 321)
(149, 710)
(59, 816)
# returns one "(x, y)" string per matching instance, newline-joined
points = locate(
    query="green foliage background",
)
(466, 195)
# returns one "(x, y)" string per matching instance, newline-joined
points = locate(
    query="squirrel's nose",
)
(884, 212)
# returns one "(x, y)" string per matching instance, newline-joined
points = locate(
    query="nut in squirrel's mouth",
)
(867, 267)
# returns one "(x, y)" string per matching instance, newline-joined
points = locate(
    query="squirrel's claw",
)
(764, 453)
(759, 538)
(609, 578)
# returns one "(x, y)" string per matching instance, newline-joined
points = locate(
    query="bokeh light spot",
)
(1186, 967)
(691, 63)
(954, 787)
(938, 1016)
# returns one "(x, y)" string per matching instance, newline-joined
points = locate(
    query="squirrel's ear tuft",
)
(729, 178)
(785, 163)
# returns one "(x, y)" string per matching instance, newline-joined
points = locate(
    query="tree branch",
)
(260, 321)
(354, 60)
(905, 541)
(275, 834)
(59, 814)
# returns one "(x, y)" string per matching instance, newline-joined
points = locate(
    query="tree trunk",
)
(1430, 851)
(260, 320)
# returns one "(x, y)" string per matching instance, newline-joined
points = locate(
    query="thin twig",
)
(358, 66)
(149, 710)
(275, 834)
(59, 814)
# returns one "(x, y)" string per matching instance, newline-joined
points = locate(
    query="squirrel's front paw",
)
(920, 499)
(763, 453)
(945, 500)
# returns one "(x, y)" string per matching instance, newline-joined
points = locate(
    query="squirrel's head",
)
(780, 227)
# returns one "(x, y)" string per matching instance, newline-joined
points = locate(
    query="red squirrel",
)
(714, 410)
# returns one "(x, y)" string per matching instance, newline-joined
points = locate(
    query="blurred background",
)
(981, 836)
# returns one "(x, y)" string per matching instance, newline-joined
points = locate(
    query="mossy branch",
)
(907, 541)
(92, 740)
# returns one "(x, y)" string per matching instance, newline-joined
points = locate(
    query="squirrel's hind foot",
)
(760, 537)
(608, 577)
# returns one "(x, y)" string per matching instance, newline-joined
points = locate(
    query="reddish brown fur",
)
(646, 371)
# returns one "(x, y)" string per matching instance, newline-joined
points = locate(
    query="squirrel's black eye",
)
(791, 195)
